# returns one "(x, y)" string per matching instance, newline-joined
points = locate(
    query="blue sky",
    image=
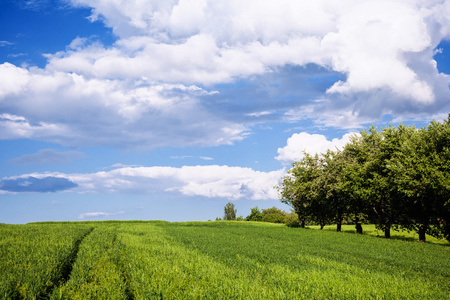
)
(170, 109)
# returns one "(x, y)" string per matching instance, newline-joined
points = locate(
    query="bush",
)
(273, 215)
(255, 215)
(292, 220)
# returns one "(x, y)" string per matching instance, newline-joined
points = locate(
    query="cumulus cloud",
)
(73, 110)
(47, 156)
(368, 41)
(300, 143)
(157, 85)
(207, 181)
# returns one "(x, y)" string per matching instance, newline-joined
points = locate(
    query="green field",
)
(215, 260)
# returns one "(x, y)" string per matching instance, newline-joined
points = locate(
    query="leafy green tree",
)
(357, 176)
(422, 171)
(229, 212)
(299, 189)
(332, 181)
(273, 215)
(394, 177)
(381, 195)
(289, 194)
(255, 214)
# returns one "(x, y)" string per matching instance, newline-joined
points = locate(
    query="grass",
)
(36, 257)
(219, 260)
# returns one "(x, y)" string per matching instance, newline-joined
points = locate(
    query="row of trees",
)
(396, 177)
(271, 215)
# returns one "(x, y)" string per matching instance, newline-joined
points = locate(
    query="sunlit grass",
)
(370, 229)
(35, 257)
(216, 260)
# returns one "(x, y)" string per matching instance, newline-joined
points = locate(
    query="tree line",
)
(394, 177)
(271, 215)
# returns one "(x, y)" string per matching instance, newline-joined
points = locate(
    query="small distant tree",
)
(255, 215)
(229, 212)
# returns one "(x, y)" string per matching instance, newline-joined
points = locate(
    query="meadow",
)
(215, 260)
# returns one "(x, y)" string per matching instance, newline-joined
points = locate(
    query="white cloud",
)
(120, 165)
(5, 43)
(190, 156)
(206, 181)
(210, 41)
(206, 158)
(16, 127)
(370, 45)
(73, 110)
(312, 144)
(98, 214)
(148, 89)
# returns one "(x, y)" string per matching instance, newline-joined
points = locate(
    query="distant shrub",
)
(273, 215)
(255, 215)
(292, 220)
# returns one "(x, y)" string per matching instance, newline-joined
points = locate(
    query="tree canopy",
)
(229, 212)
(394, 177)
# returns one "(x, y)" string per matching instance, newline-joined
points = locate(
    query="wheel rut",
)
(67, 266)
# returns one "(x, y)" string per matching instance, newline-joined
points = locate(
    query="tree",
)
(229, 212)
(394, 177)
(356, 185)
(333, 182)
(382, 197)
(422, 178)
(289, 195)
(299, 189)
(273, 215)
(255, 214)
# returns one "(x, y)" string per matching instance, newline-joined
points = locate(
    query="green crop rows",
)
(213, 260)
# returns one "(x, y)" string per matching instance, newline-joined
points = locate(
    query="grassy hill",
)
(214, 260)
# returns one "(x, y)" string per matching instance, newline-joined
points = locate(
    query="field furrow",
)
(36, 257)
(95, 274)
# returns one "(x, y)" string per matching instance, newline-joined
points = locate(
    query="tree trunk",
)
(447, 228)
(302, 223)
(387, 231)
(358, 226)
(422, 231)
(339, 222)
(387, 228)
(359, 229)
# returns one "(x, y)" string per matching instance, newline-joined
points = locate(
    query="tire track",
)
(67, 266)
